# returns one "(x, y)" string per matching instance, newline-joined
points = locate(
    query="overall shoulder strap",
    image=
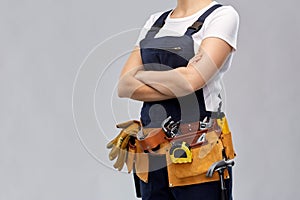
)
(161, 20)
(197, 25)
(158, 24)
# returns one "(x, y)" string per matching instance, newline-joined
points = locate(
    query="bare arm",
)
(130, 87)
(185, 80)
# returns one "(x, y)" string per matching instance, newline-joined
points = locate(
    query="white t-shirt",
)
(223, 23)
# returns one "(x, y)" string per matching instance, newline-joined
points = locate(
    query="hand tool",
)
(219, 167)
(170, 127)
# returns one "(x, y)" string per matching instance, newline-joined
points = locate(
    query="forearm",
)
(148, 94)
(178, 82)
(173, 83)
(129, 87)
(182, 80)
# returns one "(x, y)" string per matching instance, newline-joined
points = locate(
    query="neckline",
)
(196, 14)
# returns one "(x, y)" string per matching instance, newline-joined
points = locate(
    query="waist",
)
(152, 138)
(187, 121)
(188, 108)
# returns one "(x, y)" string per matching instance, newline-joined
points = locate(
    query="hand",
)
(120, 145)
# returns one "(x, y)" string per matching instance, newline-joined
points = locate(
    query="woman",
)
(176, 70)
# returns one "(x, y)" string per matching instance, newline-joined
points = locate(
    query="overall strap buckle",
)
(197, 25)
(158, 24)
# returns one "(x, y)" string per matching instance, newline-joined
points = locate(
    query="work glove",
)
(123, 146)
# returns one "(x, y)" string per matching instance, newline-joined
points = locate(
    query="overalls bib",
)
(167, 53)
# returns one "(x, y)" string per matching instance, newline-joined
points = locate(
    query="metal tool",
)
(219, 167)
(201, 139)
(170, 127)
(206, 123)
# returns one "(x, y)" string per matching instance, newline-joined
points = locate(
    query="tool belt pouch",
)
(141, 162)
(226, 139)
(154, 138)
(130, 159)
(203, 157)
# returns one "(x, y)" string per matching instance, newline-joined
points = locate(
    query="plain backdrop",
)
(59, 62)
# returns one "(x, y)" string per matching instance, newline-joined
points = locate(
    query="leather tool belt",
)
(153, 139)
(190, 132)
(189, 153)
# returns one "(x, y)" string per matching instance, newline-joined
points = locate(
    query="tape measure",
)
(180, 152)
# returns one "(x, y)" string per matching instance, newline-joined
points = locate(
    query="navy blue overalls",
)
(167, 53)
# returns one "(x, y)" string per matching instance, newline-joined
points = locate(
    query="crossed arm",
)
(130, 87)
(135, 83)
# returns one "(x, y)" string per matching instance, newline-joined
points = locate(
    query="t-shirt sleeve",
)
(223, 24)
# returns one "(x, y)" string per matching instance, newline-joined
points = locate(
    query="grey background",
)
(43, 155)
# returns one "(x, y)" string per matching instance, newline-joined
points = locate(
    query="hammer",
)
(220, 166)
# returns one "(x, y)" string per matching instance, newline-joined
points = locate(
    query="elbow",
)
(122, 92)
(188, 89)
(195, 82)
(180, 90)
(121, 89)
(191, 85)
(189, 81)
(196, 86)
